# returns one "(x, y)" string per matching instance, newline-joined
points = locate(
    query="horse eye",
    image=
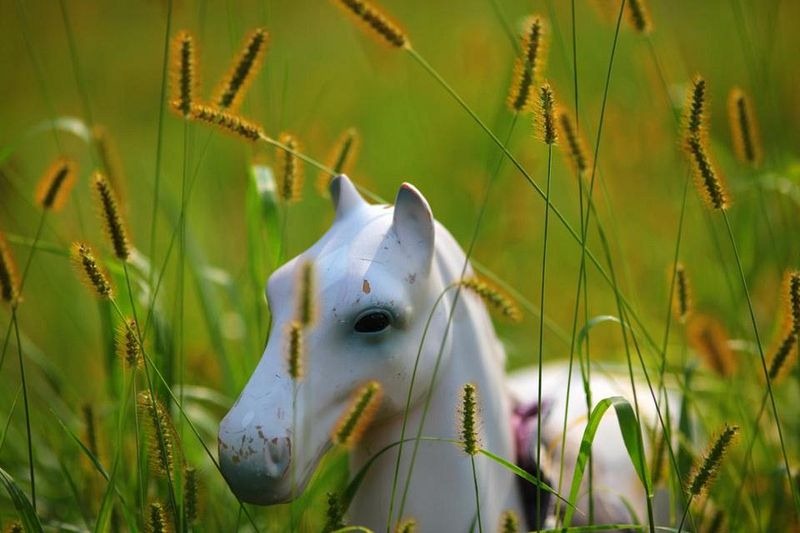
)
(373, 322)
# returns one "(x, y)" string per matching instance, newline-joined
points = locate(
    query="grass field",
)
(90, 81)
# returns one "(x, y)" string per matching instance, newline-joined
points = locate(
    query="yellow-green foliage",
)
(207, 204)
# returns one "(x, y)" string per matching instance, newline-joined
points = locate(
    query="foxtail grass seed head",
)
(161, 437)
(227, 122)
(375, 20)
(359, 415)
(509, 522)
(128, 345)
(56, 183)
(695, 115)
(14, 527)
(157, 521)
(294, 351)
(705, 471)
(341, 159)
(90, 271)
(9, 280)
(112, 217)
(191, 494)
(709, 183)
(409, 525)
(782, 353)
(346, 151)
(529, 65)
(334, 516)
(744, 128)
(546, 116)
(183, 73)
(468, 418)
(494, 298)
(291, 167)
(306, 305)
(231, 90)
(792, 284)
(682, 301)
(639, 16)
(710, 341)
(573, 145)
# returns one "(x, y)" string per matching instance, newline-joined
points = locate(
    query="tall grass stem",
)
(754, 323)
(541, 331)
(31, 467)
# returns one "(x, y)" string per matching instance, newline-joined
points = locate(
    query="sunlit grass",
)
(208, 225)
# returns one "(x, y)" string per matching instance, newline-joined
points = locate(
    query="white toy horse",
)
(380, 270)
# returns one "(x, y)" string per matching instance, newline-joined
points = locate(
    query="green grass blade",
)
(10, 416)
(685, 427)
(24, 508)
(595, 321)
(106, 505)
(526, 476)
(262, 210)
(631, 436)
(92, 457)
(76, 493)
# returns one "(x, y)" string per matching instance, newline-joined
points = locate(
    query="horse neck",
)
(475, 356)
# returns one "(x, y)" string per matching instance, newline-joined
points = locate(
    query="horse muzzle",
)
(255, 456)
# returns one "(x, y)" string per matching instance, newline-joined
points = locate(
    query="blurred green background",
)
(322, 75)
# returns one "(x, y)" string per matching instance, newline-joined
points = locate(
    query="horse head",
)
(376, 283)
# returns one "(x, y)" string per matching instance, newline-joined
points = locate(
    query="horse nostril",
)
(278, 453)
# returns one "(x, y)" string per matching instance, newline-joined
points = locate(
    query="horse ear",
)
(413, 225)
(344, 195)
